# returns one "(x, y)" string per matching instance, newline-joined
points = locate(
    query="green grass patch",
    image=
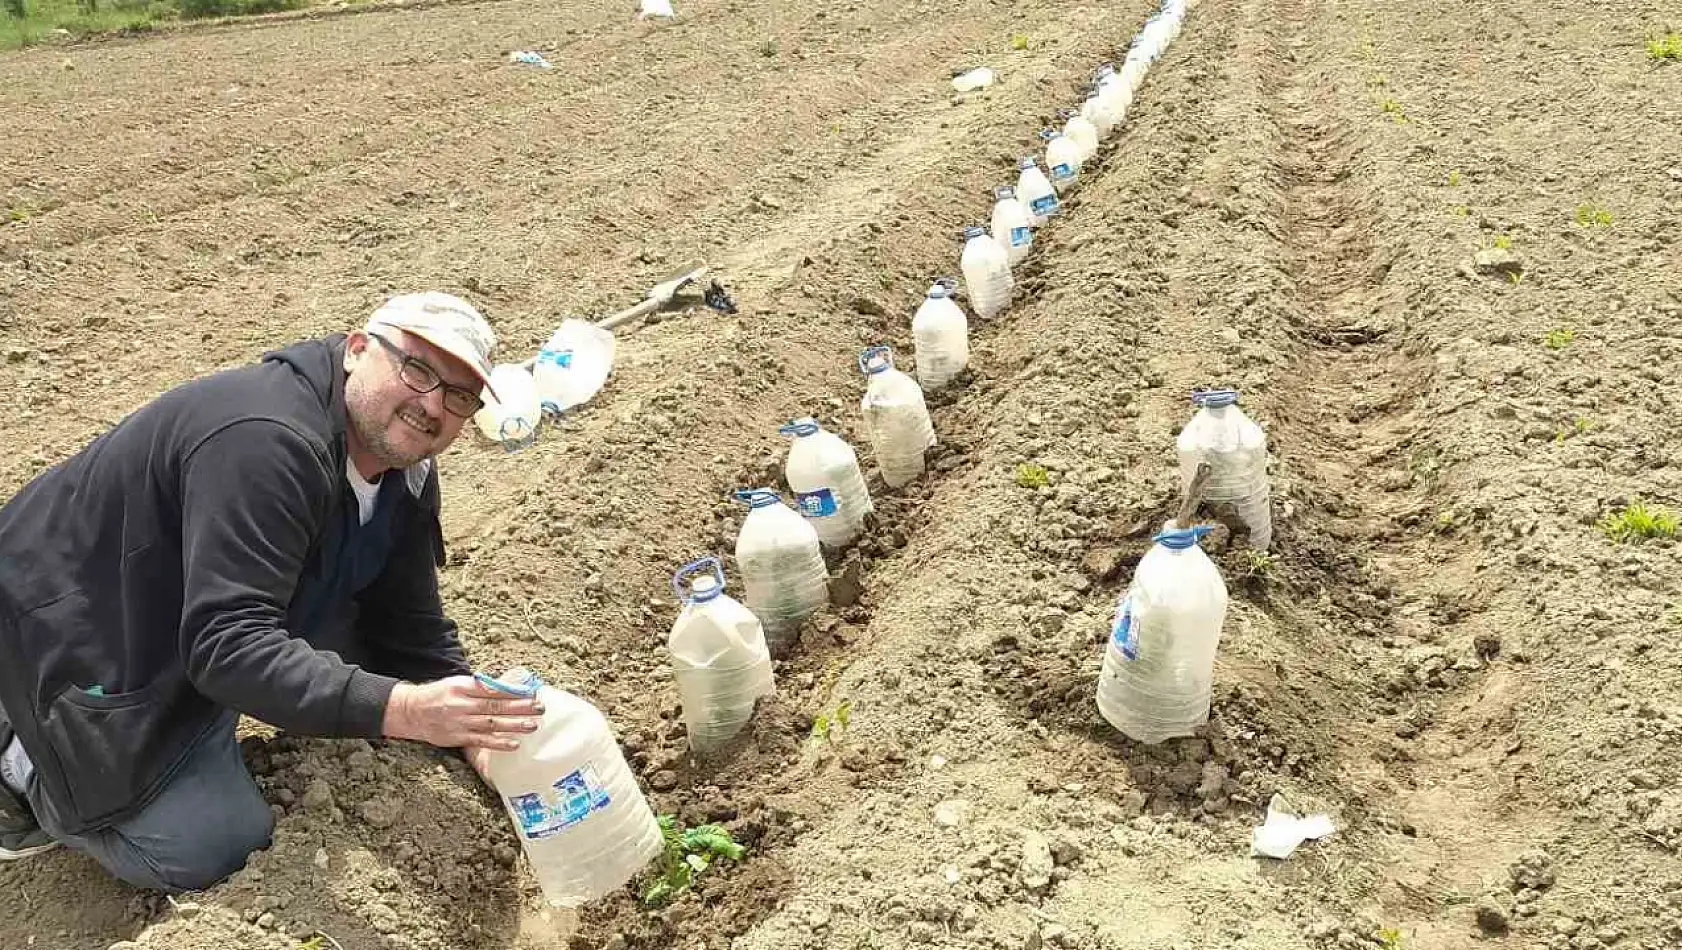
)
(1030, 475)
(1559, 338)
(1664, 47)
(28, 22)
(1593, 216)
(1637, 522)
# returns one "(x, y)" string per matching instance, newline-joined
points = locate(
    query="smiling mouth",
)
(418, 422)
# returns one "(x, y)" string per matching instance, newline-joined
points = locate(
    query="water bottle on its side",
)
(1236, 450)
(986, 267)
(719, 657)
(513, 419)
(573, 365)
(829, 489)
(941, 332)
(895, 417)
(1034, 190)
(782, 565)
(575, 804)
(1062, 157)
(1159, 663)
(1012, 227)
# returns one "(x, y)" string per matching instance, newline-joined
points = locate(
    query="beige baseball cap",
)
(445, 321)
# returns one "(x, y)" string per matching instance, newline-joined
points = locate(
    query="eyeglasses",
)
(417, 375)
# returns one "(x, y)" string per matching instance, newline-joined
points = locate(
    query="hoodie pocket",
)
(113, 746)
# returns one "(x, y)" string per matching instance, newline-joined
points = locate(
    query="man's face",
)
(391, 421)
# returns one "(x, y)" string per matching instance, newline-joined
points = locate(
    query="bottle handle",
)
(694, 567)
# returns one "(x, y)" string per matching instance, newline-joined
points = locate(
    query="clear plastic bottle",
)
(719, 657)
(941, 332)
(895, 418)
(1034, 190)
(782, 565)
(1062, 159)
(1079, 129)
(1159, 663)
(573, 365)
(829, 489)
(1236, 450)
(1115, 98)
(512, 420)
(986, 267)
(1133, 71)
(1012, 227)
(575, 804)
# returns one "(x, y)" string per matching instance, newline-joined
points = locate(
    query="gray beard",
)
(376, 444)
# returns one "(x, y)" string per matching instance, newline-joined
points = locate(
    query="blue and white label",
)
(1122, 634)
(817, 504)
(1021, 237)
(561, 358)
(1044, 206)
(1062, 172)
(564, 804)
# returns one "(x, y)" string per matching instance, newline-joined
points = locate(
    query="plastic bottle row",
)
(581, 818)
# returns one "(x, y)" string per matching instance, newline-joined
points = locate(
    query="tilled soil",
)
(1445, 653)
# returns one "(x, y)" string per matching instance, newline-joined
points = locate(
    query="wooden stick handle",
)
(1193, 495)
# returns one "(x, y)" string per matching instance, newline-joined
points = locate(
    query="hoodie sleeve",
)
(253, 499)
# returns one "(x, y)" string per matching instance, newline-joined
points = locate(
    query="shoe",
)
(20, 834)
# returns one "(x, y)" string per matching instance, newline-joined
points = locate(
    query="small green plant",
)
(1259, 564)
(1454, 178)
(1504, 242)
(1030, 475)
(1393, 109)
(687, 855)
(1460, 211)
(1593, 216)
(1665, 47)
(1559, 338)
(1445, 522)
(832, 726)
(1581, 425)
(1637, 522)
(1018, 41)
(1390, 938)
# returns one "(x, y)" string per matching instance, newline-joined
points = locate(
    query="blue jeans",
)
(197, 831)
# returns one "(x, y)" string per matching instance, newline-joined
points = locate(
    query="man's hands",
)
(458, 712)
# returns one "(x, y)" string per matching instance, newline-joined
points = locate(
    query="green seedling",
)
(1593, 216)
(1559, 338)
(832, 726)
(1504, 242)
(1581, 425)
(1445, 522)
(688, 853)
(1393, 109)
(1637, 522)
(1454, 178)
(1030, 475)
(1665, 47)
(1390, 938)
(1019, 41)
(1460, 211)
(1258, 564)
